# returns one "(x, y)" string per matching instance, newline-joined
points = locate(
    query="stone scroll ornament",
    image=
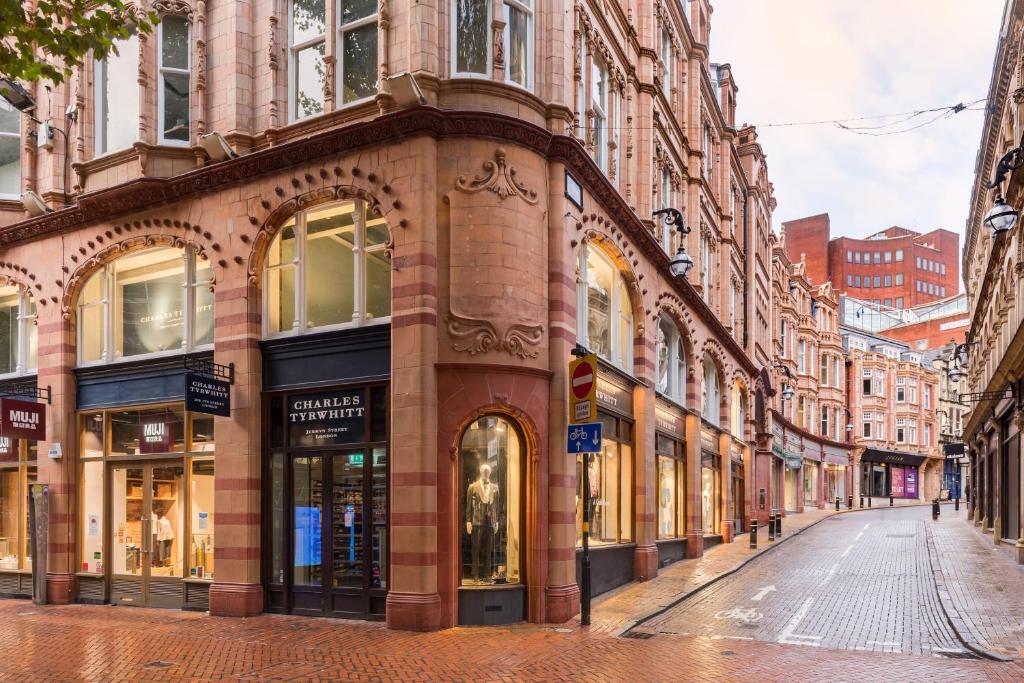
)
(499, 178)
(475, 336)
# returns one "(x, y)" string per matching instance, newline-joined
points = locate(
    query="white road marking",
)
(831, 572)
(867, 525)
(948, 650)
(847, 551)
(858, 536)
(787, 636)
(765, 590)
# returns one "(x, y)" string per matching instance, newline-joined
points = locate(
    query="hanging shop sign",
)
(207, 395)
(8, 449)
(335, 417)
(22, 419)
(954, 450)
(157, 436)
(794, 461)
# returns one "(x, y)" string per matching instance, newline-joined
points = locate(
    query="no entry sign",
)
(583, 389)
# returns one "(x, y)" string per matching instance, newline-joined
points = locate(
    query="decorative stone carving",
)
(476, 335)
(500, 179)
(498, 43)
(272, 46)
(329, 71)
(177, 7)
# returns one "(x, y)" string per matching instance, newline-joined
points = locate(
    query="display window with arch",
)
(328, 267)
(604, 308)
(711, 392)
(152, 302)
(491, 482)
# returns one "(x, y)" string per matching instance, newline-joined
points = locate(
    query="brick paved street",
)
(858, 581)
(878, 592)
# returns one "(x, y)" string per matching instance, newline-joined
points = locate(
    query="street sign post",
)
(583, 389)
(585, 439)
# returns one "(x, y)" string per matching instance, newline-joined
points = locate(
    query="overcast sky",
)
(800, 60)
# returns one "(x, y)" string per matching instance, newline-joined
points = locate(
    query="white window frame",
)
(99, 110)
(25, 319)
(599, 105)
(300, 325)
(108, 304)
(666, 62)
(162, 71)
(16, 135)
(507, 41)
(676, 360)
(711, 403)
(293, 63)
(621, 358)
(339, 86)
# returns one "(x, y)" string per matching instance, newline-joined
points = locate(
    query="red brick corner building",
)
(395, 290)
(896, 268)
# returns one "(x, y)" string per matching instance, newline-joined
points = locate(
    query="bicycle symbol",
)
(578, 434)
(746, 615)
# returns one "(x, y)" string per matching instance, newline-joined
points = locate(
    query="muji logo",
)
(154, 432)
(23, 419)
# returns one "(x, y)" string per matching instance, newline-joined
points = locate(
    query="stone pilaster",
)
(694, 532)
(57, 358)
(645, 484)
(237, 589)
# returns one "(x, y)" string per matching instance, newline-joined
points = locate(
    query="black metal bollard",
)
(771, 526)
(837, 503)
(862, 501)
(890, 500)
(778, 526)
(956, 504)
(849, 502)
(753, 535)
(935, 509)
(869, 501)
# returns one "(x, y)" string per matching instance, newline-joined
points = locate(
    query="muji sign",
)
(22, 419)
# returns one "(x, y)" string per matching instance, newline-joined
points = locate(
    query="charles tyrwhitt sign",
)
(204, 394)
(334, 417)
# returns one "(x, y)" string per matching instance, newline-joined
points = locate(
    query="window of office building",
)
(10, 150)
(19, 332)
(474, 54)
(328, 268)
(153, 301)
(173, 89)
(605, 324)
(117, 97)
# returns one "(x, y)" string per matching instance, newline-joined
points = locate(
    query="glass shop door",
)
(146, 534)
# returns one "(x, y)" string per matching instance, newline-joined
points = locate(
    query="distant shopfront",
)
(670, 449)
(836, 463)
(885, 473)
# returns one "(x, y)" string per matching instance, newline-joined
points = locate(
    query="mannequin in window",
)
(164, 538)
(482, 524)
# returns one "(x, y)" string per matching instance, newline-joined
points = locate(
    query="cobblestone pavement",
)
(89, 643)
(983, 586)
(858, 582)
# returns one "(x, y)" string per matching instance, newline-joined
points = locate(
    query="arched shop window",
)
(155, 301)
(671, 359)
(605, 324)
(328, 268)
(19, 335)
(492, 490)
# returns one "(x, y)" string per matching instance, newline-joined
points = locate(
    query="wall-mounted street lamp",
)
(681, 263)
(958, 362)
(849, 420)
(1001, 217)
(787, 390)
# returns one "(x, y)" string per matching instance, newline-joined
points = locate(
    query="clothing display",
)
(482, 524)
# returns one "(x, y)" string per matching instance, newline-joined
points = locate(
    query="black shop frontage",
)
(896, 473)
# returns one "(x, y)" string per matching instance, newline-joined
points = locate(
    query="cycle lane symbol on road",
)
(747, 615)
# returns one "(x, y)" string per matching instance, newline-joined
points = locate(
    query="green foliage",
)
(49, 41)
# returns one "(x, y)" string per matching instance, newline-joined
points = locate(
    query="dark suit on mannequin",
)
(482, 523)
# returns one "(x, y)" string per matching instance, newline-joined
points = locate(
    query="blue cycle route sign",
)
(584, 438)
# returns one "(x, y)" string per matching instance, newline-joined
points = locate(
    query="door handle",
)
(147, 536)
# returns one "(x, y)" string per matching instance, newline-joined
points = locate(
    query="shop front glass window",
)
(491, 486)
(666, 497)
(810, 482)
(147, 430)
(10, 518)
(610, 494)
(308, 497)
(201, 520)
(91, 492)
(709, 496)
(93, 435)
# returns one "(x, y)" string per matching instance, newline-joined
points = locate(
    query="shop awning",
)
(892, 457)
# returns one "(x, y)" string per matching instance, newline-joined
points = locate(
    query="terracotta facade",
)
(495, 199)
